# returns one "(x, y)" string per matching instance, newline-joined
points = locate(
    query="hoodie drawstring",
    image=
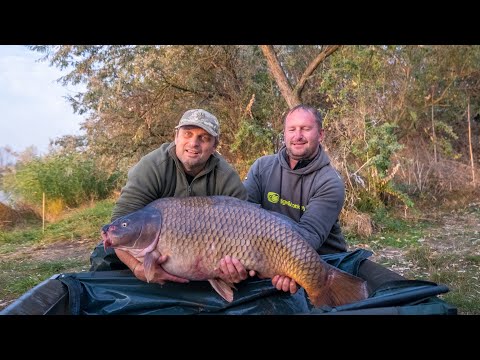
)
(281, 179)
(301, 191)
(301, 195)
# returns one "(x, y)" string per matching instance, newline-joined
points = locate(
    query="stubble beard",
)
(305, 154)
(193, 167)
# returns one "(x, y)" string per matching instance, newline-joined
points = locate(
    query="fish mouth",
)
(107, 242)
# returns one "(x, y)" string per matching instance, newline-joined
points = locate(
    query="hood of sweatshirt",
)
(319, 161)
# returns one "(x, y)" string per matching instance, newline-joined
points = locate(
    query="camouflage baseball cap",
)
(200, 118)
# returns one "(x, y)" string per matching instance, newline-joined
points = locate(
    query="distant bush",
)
(67, 179)
(8, 216)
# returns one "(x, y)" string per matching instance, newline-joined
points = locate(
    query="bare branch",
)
(312, 67)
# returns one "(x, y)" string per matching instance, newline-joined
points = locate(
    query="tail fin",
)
(340, 288)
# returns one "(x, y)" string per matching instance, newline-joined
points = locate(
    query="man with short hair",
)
(298, 182)
(189, 166)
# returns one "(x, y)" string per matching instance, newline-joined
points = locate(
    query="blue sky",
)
(33, 109)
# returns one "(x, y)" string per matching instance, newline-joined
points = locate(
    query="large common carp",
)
(196, 232)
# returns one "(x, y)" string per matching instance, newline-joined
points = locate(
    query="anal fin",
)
(223, 288)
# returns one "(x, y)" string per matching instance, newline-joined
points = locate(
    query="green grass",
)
(464, 289)
(22, 272)
(16, 277)
(466, 304)
(393, 232)
(79, 224)
(18, 237)
(474, 259)
(84, 223)
(459, 271)
(396, 232)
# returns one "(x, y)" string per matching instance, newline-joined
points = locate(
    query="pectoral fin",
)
(223, 288)
(149, 263)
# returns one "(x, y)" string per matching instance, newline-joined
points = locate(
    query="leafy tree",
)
(375, 98)
(136, 94)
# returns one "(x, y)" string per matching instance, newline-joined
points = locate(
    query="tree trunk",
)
(293, 95)
(279, 76)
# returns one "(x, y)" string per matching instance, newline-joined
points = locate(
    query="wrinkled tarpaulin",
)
(119, 292)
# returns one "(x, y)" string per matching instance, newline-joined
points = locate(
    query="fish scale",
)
(197, 232)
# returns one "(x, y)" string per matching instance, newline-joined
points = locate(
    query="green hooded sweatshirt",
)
(160, 174)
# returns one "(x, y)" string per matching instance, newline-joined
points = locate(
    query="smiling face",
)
(193, 148)
(302, 136)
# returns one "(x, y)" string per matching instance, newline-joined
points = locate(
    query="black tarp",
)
(118, 292)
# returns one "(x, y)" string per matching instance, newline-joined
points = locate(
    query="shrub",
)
(68, 180)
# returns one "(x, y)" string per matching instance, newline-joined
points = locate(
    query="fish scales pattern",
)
(260, 240)
(197, 232)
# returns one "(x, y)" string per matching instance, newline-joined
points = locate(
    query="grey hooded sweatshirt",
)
(312, 195)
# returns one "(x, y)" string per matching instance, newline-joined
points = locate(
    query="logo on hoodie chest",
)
(274, 198)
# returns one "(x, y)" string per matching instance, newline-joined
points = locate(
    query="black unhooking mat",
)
(119, 292)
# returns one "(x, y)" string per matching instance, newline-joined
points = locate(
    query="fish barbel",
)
(196, 232)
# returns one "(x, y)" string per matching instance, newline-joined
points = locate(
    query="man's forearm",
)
(127, 259)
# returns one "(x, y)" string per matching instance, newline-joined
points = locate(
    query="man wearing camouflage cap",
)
(188, 166)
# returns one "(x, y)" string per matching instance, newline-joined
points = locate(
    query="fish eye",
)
(124, 224)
